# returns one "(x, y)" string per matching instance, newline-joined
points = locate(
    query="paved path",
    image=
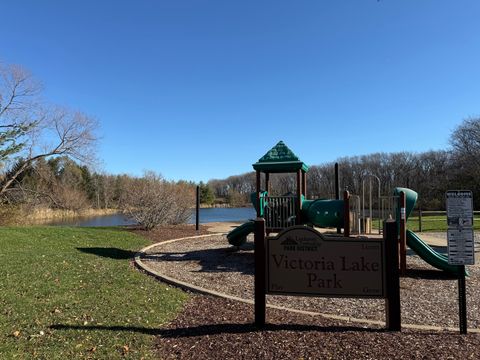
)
(221, 227)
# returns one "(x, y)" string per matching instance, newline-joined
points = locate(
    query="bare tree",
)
(465, 141)
(153, 201)
(31, 130)
(18, 108)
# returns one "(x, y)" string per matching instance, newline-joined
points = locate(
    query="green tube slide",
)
(414, 242)
(432, 257)
(238, 236)
(323, 213)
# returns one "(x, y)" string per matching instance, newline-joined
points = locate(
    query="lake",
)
(206, 216)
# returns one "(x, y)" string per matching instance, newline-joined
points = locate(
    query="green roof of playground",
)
(280, 159)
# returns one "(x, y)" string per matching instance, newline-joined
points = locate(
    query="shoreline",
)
(52, 214)
(223, 206)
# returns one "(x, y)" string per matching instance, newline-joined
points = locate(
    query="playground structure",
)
(281, 212)
(347, 215)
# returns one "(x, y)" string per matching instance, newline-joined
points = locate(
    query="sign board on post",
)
(461, 250)
(460, 236)
(301, 261)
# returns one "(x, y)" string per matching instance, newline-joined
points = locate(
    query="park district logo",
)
(294, 243)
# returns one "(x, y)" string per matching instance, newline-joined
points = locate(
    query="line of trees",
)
(429, 173)
(62, 183)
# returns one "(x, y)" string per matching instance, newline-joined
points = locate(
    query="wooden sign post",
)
(197, 209)
(392, 303)
(260, 300)
(403, 233)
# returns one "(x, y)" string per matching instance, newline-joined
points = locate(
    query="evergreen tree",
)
(206, 194)
(11, 139)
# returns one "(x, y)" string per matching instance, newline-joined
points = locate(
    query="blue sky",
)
(202, 89)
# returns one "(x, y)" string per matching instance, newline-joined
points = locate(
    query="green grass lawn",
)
(73, 293)
(435, 223)
(430, 223)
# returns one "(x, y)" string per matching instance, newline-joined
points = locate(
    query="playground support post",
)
(258, 193)
(420, 220)
(337, 191)
(267, 183)
(260, 283)
(304, 184)
(298, 220)
(462, 300)
(197, 210)
(392, 301)
(403, 234)
(370, 207)
(346, 213)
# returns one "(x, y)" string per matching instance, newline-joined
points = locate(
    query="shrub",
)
(153, 201)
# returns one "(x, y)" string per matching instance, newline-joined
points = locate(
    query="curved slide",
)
(238, 236)
(432, 257)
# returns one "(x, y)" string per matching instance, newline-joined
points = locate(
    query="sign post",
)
(461, 249)
(197, 209)
(392, 303)
(403, 233)
(260, 300)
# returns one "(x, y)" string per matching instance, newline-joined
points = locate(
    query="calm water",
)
(224, 214)
(206, 216)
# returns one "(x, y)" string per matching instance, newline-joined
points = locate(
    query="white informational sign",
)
(461, 249)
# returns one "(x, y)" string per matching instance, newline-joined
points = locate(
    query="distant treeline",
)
(61, 183)
(430, 173)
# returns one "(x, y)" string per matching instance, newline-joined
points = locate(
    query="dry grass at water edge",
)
(52, 214)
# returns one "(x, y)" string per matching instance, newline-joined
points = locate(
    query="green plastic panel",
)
(323, 213)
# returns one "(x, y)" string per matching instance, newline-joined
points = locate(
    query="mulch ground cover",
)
(216, 328)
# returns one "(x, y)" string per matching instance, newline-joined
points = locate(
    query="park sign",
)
(302, 261)
(461, 244)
